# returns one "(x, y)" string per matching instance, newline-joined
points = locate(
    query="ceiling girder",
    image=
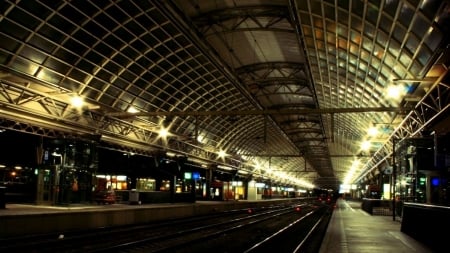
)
(262, 70)
(209, 22)
(36, 118)
(299, 155)
(304, 111)
(430, 107)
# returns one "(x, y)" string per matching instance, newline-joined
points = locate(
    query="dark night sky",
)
(17, 148)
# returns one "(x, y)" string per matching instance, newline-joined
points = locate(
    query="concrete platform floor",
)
(352, 230)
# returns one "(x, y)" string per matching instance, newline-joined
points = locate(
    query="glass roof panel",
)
(131, 53)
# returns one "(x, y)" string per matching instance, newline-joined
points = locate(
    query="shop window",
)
(111, 182)
(146, 184)
(165, 185)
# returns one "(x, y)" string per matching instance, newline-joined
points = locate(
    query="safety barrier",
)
(427, 224)
(377, 206)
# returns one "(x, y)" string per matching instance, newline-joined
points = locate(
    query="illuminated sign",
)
(435, 181)
(195, 175)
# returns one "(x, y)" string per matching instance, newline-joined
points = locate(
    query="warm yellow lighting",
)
(170, 154)
(356, 163)
(396, 91)
(163, 132)
(222, 154)
(365, 145)
(132, 109)
(373, 131)
(257, 165)
(77, 102)
(224, 167)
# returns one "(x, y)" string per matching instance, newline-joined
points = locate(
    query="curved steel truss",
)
(290, 86)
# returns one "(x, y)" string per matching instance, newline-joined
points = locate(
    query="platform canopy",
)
(286, 89)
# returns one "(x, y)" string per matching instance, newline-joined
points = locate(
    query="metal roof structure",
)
(287, 88)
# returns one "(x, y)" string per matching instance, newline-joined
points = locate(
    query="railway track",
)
(289, 232)
(246, 230)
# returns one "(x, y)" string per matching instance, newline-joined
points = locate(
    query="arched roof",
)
(286, 88)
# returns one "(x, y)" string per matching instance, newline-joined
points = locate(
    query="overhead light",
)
(77, 101)
(365, 145)
(132, 109)
(223, 167)
(170, 154)
(163, 132)
(373, 131)
(200, 138)
(395, 91)
(222, 154)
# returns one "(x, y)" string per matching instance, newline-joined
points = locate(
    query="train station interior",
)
(207, 96)
(162, 101)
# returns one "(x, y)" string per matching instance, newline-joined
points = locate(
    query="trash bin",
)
(134, 197)
(2, 197)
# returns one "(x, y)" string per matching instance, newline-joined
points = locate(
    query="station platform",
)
(27, 219)
(352, 230)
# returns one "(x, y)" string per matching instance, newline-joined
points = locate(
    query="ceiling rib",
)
(262, 112)
(435, 102)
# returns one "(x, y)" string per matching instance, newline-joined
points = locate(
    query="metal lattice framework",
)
(289, 85)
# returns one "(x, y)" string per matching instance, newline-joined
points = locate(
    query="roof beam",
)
(261, 112)
(299, 155)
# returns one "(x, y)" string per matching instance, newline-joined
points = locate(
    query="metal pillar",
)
(394, 177)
